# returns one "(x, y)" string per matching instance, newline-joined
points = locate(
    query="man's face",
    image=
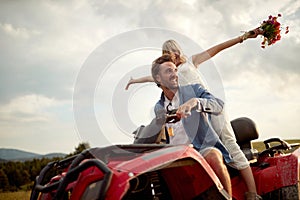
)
(167, 75)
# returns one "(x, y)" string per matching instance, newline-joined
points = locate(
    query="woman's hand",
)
(253, 33)
(131, 81)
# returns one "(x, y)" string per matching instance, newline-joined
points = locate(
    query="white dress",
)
(189, 74)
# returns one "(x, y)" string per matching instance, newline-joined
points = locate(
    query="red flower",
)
(271, 30)
(287, 30)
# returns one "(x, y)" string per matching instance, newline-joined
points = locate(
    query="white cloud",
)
(29, 108)
(274, 108)
(18, 32)
(44, 44)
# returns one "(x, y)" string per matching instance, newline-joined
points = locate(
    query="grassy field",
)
(20, 195)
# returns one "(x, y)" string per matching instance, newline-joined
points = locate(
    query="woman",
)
(188, 74)
(172, 46)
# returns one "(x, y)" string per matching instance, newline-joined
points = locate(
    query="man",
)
(192, 103)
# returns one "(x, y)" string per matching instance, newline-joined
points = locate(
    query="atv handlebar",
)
(271, 150)
(283, 143)
(172, 117)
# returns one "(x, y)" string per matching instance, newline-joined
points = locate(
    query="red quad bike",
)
(163, 171)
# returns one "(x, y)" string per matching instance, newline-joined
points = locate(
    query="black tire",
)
(285, 193)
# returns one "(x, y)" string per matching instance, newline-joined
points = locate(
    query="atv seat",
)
(245, 131)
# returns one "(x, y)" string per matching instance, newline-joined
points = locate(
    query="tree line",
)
(16, 175)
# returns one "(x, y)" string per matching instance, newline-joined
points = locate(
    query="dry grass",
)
(20, 195)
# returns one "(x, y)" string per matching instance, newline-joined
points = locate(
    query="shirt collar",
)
(174, 101)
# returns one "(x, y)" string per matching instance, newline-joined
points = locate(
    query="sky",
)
(64, 66)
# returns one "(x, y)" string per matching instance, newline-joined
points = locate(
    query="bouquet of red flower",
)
(271, 30)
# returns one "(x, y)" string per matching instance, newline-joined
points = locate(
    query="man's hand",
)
(185, 109)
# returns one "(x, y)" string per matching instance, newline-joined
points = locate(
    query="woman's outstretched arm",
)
(211, 52)
(139, 80)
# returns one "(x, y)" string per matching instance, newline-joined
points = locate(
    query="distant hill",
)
(19, 155)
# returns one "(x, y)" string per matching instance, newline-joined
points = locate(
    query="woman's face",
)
(176, 55)
(171, 47)
(177, 59)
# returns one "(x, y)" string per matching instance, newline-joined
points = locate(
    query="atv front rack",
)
(75, 167)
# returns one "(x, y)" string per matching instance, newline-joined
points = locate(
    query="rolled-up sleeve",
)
(209, 103)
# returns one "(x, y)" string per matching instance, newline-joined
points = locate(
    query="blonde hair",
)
(172, 47)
